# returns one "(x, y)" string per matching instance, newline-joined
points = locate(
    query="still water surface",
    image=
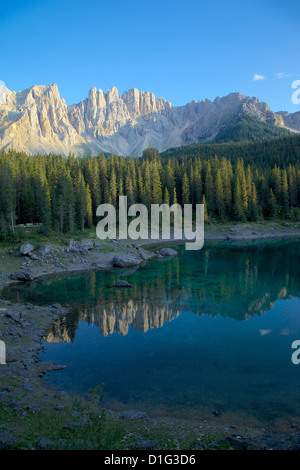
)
(206, 331)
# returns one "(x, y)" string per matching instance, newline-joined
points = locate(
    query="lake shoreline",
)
(98, 259)
(24, 326)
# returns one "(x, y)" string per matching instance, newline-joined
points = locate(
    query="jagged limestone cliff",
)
(38, 120)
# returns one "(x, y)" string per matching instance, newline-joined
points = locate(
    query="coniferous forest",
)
(62, 194)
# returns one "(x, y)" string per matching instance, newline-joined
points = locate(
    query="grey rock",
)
(21, 276)
(87, 244)
(121, 284)
(44, 250)
(7, 440)
(126, 260)
(167, 252)
(11, 356)
(80, 247)
(44, 443)
(26, 248)
(33, 257)
(144, 255)
(74, 246)
(15, 316)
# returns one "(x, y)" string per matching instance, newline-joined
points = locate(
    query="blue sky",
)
(180, 50)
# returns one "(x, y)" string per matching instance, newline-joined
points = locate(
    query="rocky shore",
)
(31, 262)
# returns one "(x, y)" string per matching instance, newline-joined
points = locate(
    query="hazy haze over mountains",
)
(38, 120)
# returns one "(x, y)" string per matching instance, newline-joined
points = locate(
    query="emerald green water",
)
(206, 331)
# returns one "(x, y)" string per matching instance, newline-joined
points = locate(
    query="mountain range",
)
(38, 120)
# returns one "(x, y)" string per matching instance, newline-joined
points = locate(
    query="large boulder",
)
(26, 248)
(126, 260)
(21, 276)
(167, 252)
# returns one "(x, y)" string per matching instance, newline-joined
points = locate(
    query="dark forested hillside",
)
(251, 129)
(280, 152)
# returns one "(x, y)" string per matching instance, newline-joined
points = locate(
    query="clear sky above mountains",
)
(180, 50)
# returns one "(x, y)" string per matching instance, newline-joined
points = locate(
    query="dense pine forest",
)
(279, 152)
(235, 183)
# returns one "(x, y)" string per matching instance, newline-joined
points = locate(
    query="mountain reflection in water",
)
(204, 331)
(236, 281)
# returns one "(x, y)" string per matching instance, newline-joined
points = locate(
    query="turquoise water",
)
(203, 332)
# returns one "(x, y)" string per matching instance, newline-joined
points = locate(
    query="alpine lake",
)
(205, 333)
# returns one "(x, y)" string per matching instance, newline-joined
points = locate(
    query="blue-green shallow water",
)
(205, 331)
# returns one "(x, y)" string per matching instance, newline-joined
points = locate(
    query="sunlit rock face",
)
(38, 120)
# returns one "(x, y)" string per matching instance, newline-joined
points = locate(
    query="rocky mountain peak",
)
(112, 95)
(38, 120)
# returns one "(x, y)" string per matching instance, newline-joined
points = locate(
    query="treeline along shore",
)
(63, 193)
